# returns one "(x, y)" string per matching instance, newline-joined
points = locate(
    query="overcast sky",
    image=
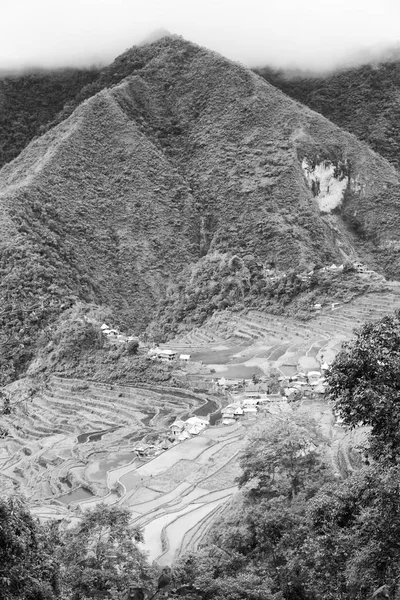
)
(308, 33)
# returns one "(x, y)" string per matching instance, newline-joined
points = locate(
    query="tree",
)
(283, 457)
(132, 346)
(352, 541)
(247, 552)
(364, 383)
(100, 557)
(28, 567)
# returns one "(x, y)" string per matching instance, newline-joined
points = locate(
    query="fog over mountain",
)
(168, 165)
(314, 35)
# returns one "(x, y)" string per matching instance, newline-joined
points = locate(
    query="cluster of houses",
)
(274, 276)
(304, 385)
(357, 266)
(183, 430)
(293, 388)
(253, 405)
(114, 336)
(167, 355)
(178, 432)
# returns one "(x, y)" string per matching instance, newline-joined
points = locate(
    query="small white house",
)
(185, 357)
(166, 354)
(112, 333)
(177, 427)
(195, 425)
(229, 411)
(313, 377)
(228, 421)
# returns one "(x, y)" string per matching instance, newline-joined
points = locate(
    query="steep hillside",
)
(364, 100)
(93, 211)
(28, 101)
(190, 156)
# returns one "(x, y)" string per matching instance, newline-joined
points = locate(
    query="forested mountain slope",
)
(30, 100)
(189, 156)
(364, 100)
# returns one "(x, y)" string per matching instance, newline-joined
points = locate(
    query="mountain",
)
(30, 100)
(172, 160)
(364, 100)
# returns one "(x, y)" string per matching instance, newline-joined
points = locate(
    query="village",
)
(157, 449)
(252, 400)
(241, 399)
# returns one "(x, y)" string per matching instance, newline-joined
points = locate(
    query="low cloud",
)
(315, 35)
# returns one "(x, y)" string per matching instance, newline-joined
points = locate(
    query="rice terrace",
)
(199, 328)
(78, 442)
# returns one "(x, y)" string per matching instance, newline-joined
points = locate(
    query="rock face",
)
(188, 153)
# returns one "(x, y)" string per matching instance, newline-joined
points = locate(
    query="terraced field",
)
(71, 446)
(56, 435)
(275, 342)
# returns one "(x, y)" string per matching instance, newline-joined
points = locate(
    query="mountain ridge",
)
(188, 156)
(361, 99)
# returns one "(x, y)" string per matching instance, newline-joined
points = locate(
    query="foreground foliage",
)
(28, 567)
(297, 533)
(99, 556)
(294, 532)
(364, 383)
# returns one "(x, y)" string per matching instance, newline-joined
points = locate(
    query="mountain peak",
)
(182, 162)
(156, 35)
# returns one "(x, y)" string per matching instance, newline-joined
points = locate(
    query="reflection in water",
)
(240, 372)
(97, 471)
(93, 436)
(78, 494)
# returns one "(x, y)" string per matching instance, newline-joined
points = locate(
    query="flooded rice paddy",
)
(240, 372)
(93, 436)
(80, 493)
(97, 470)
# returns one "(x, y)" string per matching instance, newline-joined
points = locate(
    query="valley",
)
(184, 250)
(77, 442)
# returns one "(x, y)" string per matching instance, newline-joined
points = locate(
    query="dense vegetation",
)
(67, 236)
(363, 100)
(31, 100)
(364, 383)
(97, 558)
(221, 281)
(74, 346)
